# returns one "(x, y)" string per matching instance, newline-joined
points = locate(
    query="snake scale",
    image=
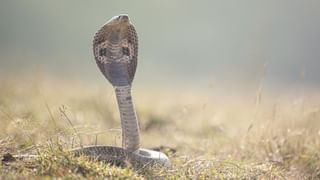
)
(115, 48)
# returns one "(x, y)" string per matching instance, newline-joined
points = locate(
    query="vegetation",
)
(206, 136)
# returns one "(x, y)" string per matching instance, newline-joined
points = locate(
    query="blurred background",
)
(215, 78)
(222, 45)
(223, 76)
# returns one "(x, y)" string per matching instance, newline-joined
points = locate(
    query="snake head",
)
(122, 18)
(115, 48)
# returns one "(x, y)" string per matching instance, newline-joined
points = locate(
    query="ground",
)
(205, 135)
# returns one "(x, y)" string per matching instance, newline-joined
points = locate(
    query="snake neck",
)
(129, 121)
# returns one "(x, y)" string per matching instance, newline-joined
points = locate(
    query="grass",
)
(205, 135)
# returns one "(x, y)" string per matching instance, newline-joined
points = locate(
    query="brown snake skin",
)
(115, 48)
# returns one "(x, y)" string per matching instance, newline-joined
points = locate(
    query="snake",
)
(115, 49)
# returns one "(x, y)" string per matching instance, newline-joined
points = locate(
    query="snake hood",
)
(115, 48)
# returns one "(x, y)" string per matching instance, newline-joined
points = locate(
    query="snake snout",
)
(123, 17)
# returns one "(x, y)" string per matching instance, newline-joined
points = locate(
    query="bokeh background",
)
(224, 45)
(231, 86)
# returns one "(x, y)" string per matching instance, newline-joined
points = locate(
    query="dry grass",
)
(209, 132)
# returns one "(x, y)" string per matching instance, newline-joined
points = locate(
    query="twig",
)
(63, 112)
(51, 115)
(258, 97)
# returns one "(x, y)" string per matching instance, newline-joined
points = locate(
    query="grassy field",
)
(206, 135)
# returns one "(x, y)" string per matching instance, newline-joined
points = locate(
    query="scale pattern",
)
(115, 48)
(108, 50)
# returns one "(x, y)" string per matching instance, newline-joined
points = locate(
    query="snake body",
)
(115, 48)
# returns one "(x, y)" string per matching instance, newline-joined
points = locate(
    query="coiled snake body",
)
(115, 48)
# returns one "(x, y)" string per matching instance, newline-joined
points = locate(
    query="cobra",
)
(115, 48)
